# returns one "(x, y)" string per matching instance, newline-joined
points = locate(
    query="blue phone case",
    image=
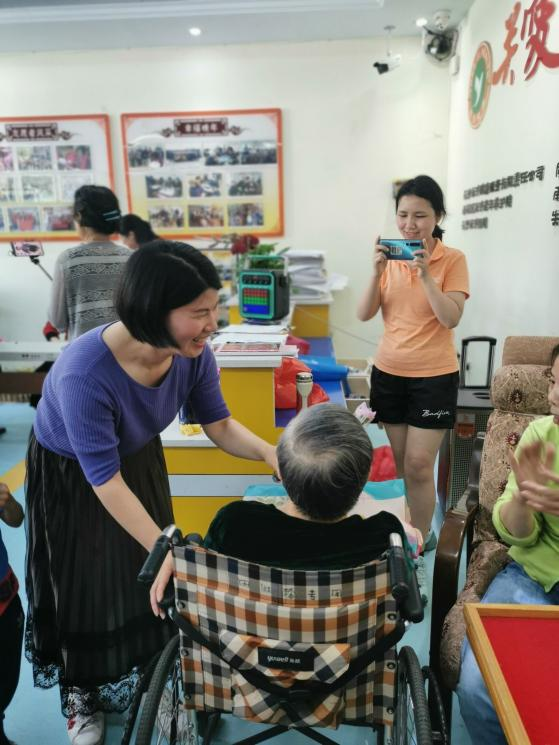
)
(399, 249)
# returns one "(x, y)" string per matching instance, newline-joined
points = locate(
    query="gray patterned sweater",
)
(85, 279)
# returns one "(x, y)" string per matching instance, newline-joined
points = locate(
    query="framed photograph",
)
(43, 160)
(205, 173)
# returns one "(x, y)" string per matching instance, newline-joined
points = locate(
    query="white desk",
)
(19, 360)
(32, 352)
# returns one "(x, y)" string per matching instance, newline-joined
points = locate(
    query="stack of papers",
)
(246, 339)
(255, 328)
(243, 338)
(309, 278)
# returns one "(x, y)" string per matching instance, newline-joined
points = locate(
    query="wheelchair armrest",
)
(456, 528)
(456, 525)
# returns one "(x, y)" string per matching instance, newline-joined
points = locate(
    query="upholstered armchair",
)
(519, 394)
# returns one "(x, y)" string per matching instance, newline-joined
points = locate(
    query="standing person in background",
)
(134, 231)
(97, 486)
(86, 276)
(11, 612)
(414, 382)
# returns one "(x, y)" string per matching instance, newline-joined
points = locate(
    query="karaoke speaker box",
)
(472, 413)
(263, 294)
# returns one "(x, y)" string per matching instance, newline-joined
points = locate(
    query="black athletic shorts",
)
(428, 403)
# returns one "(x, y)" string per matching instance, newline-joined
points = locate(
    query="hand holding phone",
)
(379, 258)
(400, 249)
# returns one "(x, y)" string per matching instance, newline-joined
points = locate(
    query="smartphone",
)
(26, 248)
(399, 249)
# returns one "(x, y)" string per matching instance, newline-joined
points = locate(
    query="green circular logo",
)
(480, 84)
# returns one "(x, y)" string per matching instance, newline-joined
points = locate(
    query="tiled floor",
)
(34, 715)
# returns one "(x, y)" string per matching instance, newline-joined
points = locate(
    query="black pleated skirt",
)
(89, 623)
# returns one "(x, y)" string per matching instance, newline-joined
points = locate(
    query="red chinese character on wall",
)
(537, 16)
(501, 73)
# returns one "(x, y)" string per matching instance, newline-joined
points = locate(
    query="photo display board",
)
(205, 173)
(43, 160)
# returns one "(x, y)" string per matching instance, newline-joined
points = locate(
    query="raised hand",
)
(538, 484)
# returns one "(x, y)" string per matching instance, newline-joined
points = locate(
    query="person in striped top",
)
(86, 276)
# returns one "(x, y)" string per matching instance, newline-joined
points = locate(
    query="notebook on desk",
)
(256, 348)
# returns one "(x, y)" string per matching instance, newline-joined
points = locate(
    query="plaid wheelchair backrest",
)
(295, 627)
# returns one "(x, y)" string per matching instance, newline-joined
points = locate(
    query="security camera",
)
(391, 62)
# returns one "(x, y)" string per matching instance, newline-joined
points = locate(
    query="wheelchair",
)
(339, 665)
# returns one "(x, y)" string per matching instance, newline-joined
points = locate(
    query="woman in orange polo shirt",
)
(414, 383)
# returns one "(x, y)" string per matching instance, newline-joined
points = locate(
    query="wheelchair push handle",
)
(412, 607)
(169, 537)
(403, 582)
(397, 568)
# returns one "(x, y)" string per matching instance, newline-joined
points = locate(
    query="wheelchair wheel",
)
(134, 707)
(163, 719)
(411, 718)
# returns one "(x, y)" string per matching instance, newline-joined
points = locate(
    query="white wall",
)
(348, 132)
(514, 264)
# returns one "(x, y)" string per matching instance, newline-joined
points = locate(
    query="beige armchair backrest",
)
(531, 350)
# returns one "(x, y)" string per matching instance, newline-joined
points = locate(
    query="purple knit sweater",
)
(93, 411)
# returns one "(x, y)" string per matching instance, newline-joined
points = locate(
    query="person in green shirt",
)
(526, 516)
(324, 456)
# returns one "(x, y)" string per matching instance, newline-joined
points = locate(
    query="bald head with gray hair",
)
(324, 457)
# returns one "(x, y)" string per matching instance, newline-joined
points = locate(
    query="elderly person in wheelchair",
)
(326, 593)
(526, 516)
(324, 457)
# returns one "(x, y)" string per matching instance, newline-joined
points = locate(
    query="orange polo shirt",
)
(415, 344)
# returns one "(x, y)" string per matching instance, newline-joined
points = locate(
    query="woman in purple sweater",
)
(97, 487)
